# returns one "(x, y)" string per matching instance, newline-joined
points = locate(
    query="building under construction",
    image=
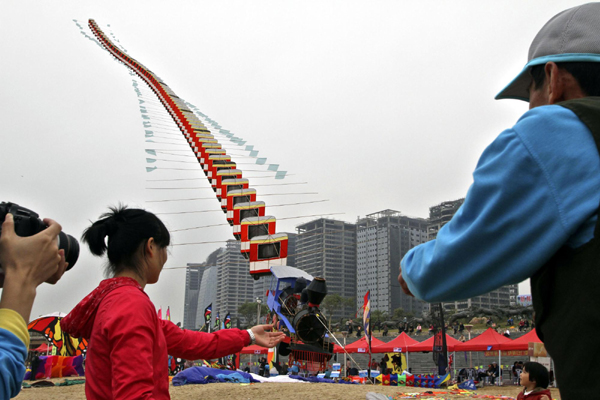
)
(440, 215)
(505, 296)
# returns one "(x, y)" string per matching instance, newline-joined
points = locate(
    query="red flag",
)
(160, 313)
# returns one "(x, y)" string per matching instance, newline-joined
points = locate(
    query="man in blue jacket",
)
(532, 210)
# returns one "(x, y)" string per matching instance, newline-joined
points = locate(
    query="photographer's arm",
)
(27, 262)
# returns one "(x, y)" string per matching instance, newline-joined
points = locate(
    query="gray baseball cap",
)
(570, 36)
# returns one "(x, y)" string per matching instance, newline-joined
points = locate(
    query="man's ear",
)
(556, 84)
(562, 85)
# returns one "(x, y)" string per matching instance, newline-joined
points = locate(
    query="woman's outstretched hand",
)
(266, 338)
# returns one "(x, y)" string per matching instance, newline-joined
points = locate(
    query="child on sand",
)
(534, 378)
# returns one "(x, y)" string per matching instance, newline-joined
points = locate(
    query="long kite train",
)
(260, 243)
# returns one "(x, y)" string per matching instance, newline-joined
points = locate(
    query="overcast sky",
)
(375, 104)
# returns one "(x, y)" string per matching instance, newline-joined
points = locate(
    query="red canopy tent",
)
(254, 349)
(338, 349)
(427, 345)
(490, 340)
(398, 345)
(521, 343)
(361, 346)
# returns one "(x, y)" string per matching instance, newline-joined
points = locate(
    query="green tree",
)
(399, 314)
(378, 316)
(249, 310)
(331, 303)
(334, 302)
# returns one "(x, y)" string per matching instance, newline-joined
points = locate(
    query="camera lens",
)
(71, 247)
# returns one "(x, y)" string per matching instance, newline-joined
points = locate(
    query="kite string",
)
(338, 342)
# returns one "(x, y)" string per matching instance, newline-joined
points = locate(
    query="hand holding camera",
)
(32, 251)
(27, 223)
(31, 260)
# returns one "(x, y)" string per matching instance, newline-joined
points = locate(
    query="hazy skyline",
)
(376, 105)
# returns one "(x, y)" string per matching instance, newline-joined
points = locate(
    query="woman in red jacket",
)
(128, 345)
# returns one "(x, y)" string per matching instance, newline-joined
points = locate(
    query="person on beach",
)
(532, 210)
(494, 372)
(535, 380)
(128, 344)
(483, 373)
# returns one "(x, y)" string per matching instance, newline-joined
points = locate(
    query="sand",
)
(271, 391)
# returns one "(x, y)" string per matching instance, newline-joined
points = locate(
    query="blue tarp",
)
(201, 375)
(468, 385)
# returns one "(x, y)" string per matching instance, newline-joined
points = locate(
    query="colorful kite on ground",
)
(49, 326)
(57, 367)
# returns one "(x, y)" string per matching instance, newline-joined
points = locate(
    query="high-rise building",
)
(234, 283)
(193, 279)
(207, 294)
(291, 258)
(505, 296)
(382, 239)
(327, 248)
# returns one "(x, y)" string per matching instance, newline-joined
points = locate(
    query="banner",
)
(227, 321)
(395, 362)
(507, 353)
(537, 350)
(440, 350)
(207, 315)
(524, 300)
(367, 318)
(217, 320)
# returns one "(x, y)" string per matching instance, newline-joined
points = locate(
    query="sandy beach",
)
(273, 391)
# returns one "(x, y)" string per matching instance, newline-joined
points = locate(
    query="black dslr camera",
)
(28, 223)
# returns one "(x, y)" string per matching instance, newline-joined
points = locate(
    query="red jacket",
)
(128, 345)
(537, 394)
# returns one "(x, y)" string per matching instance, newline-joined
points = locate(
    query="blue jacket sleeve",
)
(535, 188)
(13, 353)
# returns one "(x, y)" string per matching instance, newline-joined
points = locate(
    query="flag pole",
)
(367, 326)
(370, 354)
